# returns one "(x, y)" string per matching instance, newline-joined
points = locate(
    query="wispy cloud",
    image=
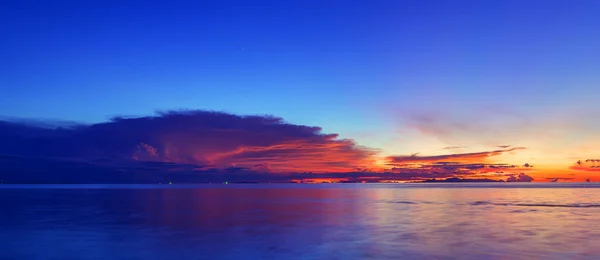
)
(460, 157)
(453, 147)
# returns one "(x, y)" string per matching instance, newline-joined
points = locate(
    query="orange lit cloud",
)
(589, 165)
(453, 147)
(471, 165)
(462, 157)
(328, 154)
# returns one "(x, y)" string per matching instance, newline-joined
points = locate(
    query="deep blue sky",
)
(359, 68)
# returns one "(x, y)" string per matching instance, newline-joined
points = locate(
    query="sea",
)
(301, 221)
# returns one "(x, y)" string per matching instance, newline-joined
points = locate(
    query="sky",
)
(405, 80)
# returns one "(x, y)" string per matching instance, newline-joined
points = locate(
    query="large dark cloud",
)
(192, 137)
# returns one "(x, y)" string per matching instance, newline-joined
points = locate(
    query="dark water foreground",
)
(290, 221)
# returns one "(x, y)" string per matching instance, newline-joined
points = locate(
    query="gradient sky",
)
(403, 76)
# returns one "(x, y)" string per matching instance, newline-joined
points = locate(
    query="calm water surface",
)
(290, 221)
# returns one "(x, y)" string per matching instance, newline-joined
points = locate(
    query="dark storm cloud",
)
(192, 137)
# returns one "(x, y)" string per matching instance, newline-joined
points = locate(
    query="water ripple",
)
(572, 205)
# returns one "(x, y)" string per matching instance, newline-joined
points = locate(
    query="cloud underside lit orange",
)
(468, 165)
(589, 165)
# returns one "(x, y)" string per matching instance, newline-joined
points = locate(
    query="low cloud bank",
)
(206, 146)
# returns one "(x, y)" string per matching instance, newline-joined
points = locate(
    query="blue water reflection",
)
(289, 221)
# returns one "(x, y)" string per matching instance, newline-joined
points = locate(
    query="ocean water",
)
(293, 221)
